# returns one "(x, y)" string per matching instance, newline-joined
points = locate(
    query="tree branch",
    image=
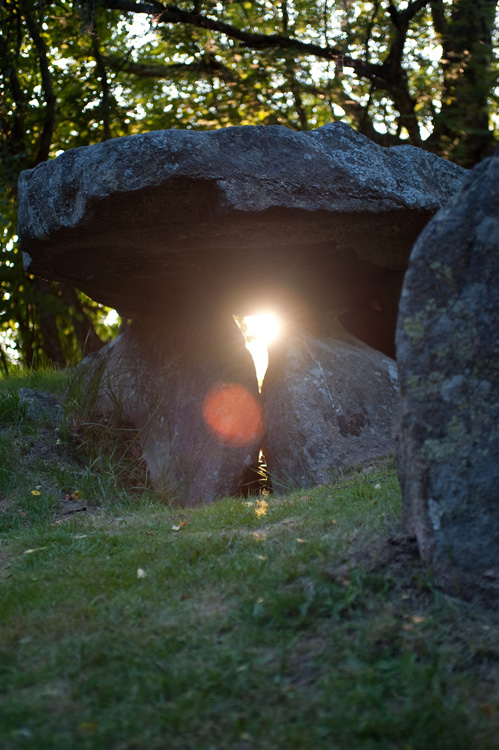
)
(130, 6)
(106, 89)
(48, 90)
(172, 14)
(411, 10)
(401, 20)
(370, 28)
(394, 73)
(285, 16)
(438, 18)
(207, 67)
(9, 74)
(359, 114)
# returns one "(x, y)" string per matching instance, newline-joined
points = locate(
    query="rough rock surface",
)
(41, 407)
(329, 401)
(448, 358)
(233, 214)
(192, 394)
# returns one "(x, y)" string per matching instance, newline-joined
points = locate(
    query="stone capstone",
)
(191, 394)
(329, 401)
(234, 214)
(448, 359)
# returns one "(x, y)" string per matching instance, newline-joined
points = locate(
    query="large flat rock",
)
(139, 222)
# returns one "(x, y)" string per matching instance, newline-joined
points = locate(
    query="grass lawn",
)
(302, 620)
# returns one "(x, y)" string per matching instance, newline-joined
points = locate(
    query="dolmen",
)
(180, 231)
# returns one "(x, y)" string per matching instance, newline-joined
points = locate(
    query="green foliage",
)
(75, 73)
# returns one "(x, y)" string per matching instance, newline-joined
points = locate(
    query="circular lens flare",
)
(233, 415)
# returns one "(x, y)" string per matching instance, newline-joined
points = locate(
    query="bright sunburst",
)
(259, 331)
(263, 327)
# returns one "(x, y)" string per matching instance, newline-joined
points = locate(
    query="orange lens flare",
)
(233, 414)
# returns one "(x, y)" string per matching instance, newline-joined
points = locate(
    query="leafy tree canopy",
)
(73, 73)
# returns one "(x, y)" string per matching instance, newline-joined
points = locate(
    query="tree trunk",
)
(461, 130)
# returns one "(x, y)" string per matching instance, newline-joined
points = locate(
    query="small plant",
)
(105, 438)
(12, 409)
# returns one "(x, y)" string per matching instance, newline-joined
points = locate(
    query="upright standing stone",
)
(329, 401)
(448, 358)
(191, 393)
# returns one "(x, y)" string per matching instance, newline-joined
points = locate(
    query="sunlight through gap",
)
(259, 331)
